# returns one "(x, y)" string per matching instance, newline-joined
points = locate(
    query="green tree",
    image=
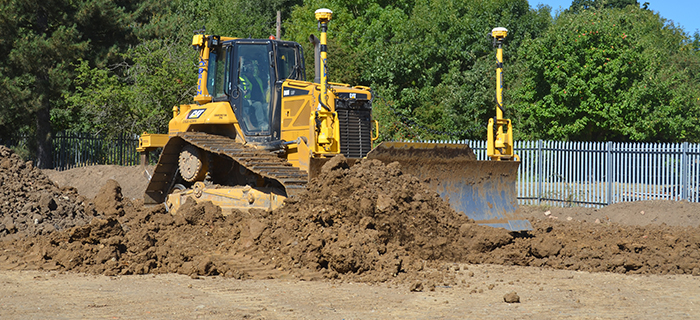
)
(240, 18)
(136, 95)
(580, 5)
(39, 40)
(436, 66)
(137, 89)
(429, 62)
(344, 32)
(609, 74)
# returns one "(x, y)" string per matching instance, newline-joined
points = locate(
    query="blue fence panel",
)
(595, 174)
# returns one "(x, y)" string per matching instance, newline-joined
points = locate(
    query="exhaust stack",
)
(317, 58)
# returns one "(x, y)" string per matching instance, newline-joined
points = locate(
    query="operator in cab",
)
(256, 96)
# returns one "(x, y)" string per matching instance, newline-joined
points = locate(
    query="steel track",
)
(263, 163)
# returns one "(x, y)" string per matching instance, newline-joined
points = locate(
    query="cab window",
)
(288, 67)
(217, 77)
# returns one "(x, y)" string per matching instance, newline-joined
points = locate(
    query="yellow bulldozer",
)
(258, 131)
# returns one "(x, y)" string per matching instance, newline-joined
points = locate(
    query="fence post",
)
(684, 172)
(608, 173)
(539, 172)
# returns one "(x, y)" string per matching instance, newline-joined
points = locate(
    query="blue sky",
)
(685, 13)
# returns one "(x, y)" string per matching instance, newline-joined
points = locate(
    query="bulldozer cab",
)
(248, 73)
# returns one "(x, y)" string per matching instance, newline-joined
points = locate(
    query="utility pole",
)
(279, 25)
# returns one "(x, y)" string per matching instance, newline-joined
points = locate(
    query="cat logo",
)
(196, 113)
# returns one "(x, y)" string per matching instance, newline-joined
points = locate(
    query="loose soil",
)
(368, 223)
(31, 204)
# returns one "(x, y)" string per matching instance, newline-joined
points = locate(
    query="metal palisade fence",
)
(595, 174)
(72, 150)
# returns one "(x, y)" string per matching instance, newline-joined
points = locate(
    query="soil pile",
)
(604, 247)
(373, 222)
(368, 222)
(30, 204)
(127, 238)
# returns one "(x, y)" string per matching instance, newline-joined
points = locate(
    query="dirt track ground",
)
(544, 294)
(665, 289)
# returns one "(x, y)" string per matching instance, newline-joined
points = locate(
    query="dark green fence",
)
(72, 150)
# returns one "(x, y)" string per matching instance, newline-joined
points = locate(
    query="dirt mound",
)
(369, 222)
(601, 247)
(127, 239)
(30, 204)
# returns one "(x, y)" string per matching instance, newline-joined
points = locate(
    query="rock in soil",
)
(511, 297)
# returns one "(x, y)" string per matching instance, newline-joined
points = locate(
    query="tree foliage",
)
(240, 18)
(430, 62)
(601, 70)
(581, 5)
(138, 96)
(614, 74)
(439, 68)
(138, 93)
(38, 42)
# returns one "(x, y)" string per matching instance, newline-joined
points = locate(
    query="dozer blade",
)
(483, 190)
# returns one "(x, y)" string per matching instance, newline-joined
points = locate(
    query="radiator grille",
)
(355, 118)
